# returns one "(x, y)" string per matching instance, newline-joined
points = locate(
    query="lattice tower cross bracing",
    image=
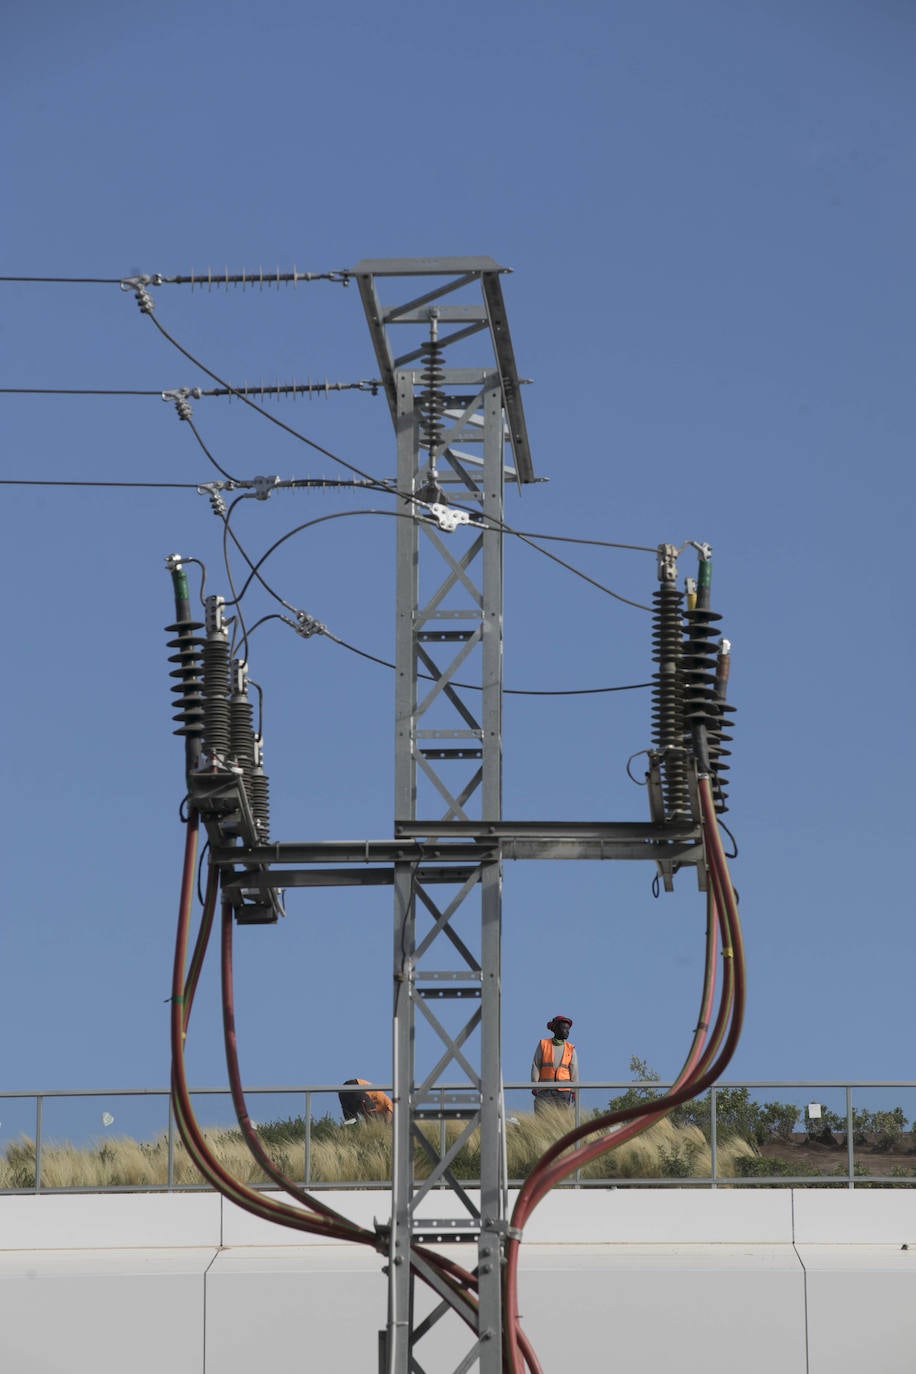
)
(448, 768)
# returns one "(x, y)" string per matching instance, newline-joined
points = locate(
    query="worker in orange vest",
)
(366, 1106)
(555, 1062)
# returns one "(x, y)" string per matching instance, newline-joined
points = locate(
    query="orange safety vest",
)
(376, 1104)
(561, 1072)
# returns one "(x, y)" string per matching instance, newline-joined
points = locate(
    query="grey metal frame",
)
(448, 753)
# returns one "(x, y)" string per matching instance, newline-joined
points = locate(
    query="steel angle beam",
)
(263, 880)
(356, 852)
(487, 312)
(520, 830)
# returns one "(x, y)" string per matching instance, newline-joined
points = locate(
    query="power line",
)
(574, 539)
(319, 448)
(579, 573)
(318, 483)
(70, 281)
(507, 691)
(71, 391)
(193, 428)
(309, 388)
(209, 279)
(55, 482)
(507, 529)
(362, 653)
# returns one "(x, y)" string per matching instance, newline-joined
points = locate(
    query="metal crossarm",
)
(488, 312)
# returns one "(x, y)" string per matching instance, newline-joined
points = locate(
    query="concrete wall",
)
(799, 1282)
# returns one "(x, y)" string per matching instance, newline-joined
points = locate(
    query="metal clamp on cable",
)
(263, 486)
(138, 285)
(447, 518)
(181, 396)
(306, 625)
(214, 490)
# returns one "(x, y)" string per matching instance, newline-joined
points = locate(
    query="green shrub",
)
(779, 1120)
(738, 1116)
(758, 1166)
(821, 1130)
(883, 1130)
(634, 1097)
(679, 1162)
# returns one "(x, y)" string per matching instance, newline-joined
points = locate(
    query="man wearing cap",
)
(555, 1062)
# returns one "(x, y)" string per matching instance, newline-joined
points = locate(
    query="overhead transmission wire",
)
(196, 432)
(328, 483)
(255, 573)
(609, 591)
(146, 304)
(407, 515)
(313, 483)
(66, 482)
(72, 391)
(506, 528)
(226, 278)
(309, 388)
(69, 281)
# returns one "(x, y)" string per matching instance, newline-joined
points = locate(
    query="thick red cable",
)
(246, 1126)
(446, 1268)
(551, 1169)
(182, 1001)
(461, 1282)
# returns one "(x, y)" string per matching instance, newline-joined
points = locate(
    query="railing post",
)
(850, 1153)
(577, 1177)
(170, 1167)
(713, 1136)
(308, 1138)
(38, 1112)
(443, 1139)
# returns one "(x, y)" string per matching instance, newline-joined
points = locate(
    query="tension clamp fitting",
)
(447, 518)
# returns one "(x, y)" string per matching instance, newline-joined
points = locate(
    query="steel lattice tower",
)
(448, 766)
(453, 418)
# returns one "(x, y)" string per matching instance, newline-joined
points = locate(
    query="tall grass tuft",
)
(360, 1154)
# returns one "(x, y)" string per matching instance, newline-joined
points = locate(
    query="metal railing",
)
(29, 1149)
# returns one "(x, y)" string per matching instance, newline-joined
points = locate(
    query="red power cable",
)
(320, 1219)
(701, 1068)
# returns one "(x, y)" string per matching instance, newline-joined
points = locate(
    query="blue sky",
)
(708, 210)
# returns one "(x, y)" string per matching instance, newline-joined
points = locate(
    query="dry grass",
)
(358, 1154)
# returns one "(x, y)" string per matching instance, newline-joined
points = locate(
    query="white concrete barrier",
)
(774, 1281)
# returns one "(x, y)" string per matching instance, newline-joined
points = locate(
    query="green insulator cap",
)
(180, 584)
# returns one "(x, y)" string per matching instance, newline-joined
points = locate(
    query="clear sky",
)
(709, 214)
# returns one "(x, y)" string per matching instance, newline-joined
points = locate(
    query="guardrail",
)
(852, 1142)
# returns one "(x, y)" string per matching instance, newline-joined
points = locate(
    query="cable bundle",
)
(710, 1051)
(310, 1214)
